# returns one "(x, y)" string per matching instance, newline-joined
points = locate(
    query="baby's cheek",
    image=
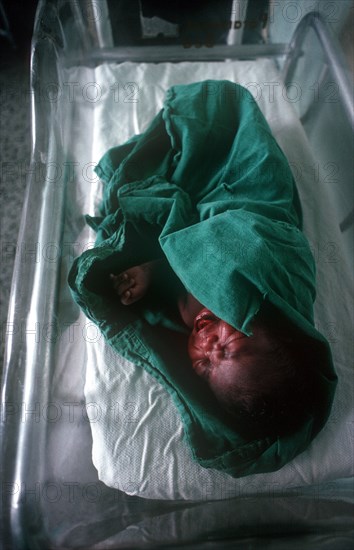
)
(202, 369)
(194, 349)
(219, 389)
(224, 377)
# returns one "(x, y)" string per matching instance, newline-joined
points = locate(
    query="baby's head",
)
(260, 380)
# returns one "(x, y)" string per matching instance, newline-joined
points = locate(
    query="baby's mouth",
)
(203, 319)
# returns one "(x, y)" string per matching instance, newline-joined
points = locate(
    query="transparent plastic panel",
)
(52, 497)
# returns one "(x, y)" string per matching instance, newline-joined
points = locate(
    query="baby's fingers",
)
(122, 283)
(127, 297)
(130, 285)
(117, 279)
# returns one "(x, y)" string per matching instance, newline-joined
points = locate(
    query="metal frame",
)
(336, 61)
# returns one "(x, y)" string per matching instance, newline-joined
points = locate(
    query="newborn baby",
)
(260, 380)
(207, 187)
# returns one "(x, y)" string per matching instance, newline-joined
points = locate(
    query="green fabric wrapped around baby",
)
(199, 234)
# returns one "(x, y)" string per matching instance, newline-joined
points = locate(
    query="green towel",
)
(207, 187)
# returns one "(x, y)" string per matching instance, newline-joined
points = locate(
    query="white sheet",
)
(138, 443)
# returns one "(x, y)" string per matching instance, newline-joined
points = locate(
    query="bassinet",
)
(91, 84)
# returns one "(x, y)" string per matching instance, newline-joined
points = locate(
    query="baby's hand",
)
(132, 284)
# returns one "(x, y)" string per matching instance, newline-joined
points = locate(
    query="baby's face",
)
(216, 350)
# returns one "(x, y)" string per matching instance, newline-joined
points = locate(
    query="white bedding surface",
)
(138, 443)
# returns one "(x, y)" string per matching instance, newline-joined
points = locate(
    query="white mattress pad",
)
(138, 440)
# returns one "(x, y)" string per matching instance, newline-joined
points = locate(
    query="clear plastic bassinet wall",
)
(99, 71)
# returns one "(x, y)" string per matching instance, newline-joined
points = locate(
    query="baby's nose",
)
(211, 343)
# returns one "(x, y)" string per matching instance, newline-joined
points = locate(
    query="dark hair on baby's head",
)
(275, 390)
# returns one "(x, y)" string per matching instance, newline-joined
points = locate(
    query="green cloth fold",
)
(207, 187)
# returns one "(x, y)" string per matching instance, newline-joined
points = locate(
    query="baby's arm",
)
(132, 284)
